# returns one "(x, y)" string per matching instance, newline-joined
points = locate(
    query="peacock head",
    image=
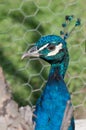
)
(51, 48)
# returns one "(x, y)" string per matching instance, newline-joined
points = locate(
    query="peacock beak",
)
(33, 52)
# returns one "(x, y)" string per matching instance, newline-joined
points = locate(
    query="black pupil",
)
(51, 47)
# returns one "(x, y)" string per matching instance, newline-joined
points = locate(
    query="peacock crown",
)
(65, 34)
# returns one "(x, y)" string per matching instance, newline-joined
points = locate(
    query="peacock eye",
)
(51, 47)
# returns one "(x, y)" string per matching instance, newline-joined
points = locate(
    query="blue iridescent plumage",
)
(51, 105)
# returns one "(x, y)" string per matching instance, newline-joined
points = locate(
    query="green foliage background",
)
(23, 22)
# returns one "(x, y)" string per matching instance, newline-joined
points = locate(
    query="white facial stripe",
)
(43, 47)
(57, 49)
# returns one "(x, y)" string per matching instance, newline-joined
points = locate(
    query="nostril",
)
(33, 49)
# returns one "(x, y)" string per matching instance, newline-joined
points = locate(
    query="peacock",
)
(51, 105)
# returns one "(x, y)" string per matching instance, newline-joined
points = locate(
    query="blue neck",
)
(56, 83)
